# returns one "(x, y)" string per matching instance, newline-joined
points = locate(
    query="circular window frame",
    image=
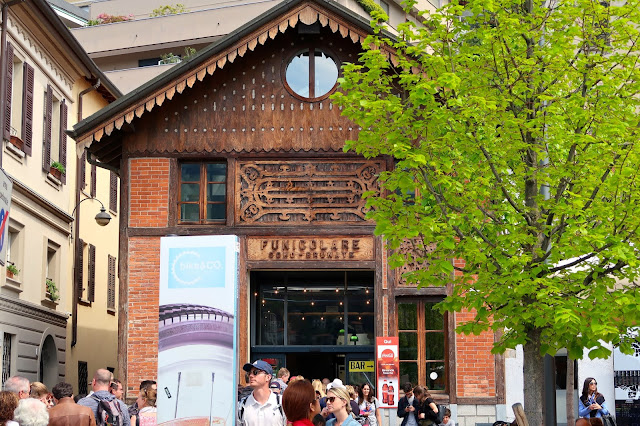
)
(328, 53)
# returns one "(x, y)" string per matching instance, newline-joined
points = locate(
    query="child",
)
(446, 419)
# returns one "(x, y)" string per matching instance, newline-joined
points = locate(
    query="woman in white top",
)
(368, 405)
(147, 408)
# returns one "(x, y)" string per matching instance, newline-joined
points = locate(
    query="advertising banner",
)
(6, 186)
(197, 331)
(626, 380)
(387, 371)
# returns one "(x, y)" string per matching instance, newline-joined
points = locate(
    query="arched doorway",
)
(49, 363)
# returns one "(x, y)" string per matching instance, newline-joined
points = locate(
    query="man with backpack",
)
(108, 410)
(262, 407)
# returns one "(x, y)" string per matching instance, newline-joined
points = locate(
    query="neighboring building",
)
(46, 70)
(131, 52)
(237, 141)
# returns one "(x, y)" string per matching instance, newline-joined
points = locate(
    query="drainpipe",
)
(3, 66)
(76, 272)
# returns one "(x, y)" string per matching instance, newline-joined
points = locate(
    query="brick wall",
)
(142, 338)
(149, 189)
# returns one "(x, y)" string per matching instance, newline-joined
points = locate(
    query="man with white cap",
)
(262, 407)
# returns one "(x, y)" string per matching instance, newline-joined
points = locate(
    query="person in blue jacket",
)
(591, 401)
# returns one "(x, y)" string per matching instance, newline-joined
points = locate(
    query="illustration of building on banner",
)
(627, 385)
(387, 370)
(197, 329)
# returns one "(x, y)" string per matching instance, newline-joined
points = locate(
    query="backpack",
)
(108, 413)
(243, 401)
(440, 413)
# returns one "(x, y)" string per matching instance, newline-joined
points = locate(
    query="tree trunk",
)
(533, 380)
(571, 395)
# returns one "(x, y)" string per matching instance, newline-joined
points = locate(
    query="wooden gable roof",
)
(105, 132)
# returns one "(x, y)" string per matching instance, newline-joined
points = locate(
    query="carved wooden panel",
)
(304, 191)
(412, 246)
(301, 248)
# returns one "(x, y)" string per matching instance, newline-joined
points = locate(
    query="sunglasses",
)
(255, 372)
(593, 382)
(332, 398)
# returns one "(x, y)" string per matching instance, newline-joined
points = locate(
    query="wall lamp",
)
(103, 218)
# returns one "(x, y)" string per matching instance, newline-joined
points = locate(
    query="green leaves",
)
(515, 134)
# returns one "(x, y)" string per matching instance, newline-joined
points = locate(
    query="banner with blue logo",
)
(197, 330)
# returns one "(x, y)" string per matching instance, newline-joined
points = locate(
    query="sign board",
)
(626, 381)
(387, 371)
(6, 187)
(350, 248)
(362, 366)
(197, 330)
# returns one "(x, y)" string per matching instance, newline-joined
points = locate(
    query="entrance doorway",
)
(313, 322)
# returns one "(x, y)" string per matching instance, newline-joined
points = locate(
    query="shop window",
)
(311, 75)
(421, 333)
(203, 193)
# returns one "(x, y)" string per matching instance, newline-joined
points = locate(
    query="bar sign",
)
(361, 366)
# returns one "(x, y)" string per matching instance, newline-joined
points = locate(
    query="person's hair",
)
(585, 388)
(150, 395)
(8, 403)
(114, 384)
(31, 412)
(16, 384)
(361, 398)
(318, 420)
(283, 372)
(340, 393)
(407, 387)
(351, 391)
(79, 397)
(295, 379)
(447, 412)
(62, 390)
(103, 377)
(421, 393)
(38, 390)
(319, 387)
(147, 383)
(296, 399)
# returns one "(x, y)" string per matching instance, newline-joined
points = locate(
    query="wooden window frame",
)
(111, 284)
(202, 201)
(311, 49)
(421, 340)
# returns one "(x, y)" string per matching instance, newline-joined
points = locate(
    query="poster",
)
(387, 371)
(197, 331)
(626, 370)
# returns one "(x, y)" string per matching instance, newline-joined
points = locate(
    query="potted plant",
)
(57, 169)
(12, 271)
(52, 290)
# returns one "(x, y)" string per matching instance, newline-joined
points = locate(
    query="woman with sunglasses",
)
(338, 404)
(300, 403)
(591, 401)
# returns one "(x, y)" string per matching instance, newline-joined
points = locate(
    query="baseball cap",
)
(337, 383)
(275, 385)
(260, 365)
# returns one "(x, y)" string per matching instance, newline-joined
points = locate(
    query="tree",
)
(514, 127)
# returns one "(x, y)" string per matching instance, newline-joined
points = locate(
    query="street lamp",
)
(103, 218)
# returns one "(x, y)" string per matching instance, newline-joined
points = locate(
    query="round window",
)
(311, 74)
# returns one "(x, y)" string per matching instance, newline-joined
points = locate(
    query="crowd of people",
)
(276, 401)
(23, 403)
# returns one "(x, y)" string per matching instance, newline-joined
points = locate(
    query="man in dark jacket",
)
(408, 407)
(100, 386)
(66, 412)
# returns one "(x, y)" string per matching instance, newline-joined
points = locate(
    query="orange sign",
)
(387, 371)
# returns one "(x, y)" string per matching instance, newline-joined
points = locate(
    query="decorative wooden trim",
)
(306, 248)
(308, 13)
(123, 275)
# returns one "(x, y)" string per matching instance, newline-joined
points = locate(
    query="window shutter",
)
(48, 113)
(63, 139)
(113, 192)
(79, 268)
(83, 170)
(111, 284)
(7, 99)
(94, 180)
(92, 273)
(27, 108)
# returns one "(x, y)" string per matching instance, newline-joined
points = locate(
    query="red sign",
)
(387, 371)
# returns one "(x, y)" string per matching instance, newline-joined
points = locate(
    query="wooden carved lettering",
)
(310, 248)
(304, 192)
(412, 246)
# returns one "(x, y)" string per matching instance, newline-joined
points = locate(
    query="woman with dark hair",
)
(300, 403)
(368, 405)
(427, 409)
(591, 401)
(8, 403)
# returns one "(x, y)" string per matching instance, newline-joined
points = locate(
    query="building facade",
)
(243, 139)
(44, 74)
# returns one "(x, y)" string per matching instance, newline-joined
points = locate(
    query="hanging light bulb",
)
(255, 294)
(340, 303)
(313, 303)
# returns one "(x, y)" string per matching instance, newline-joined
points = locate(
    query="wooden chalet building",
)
(243, 139)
